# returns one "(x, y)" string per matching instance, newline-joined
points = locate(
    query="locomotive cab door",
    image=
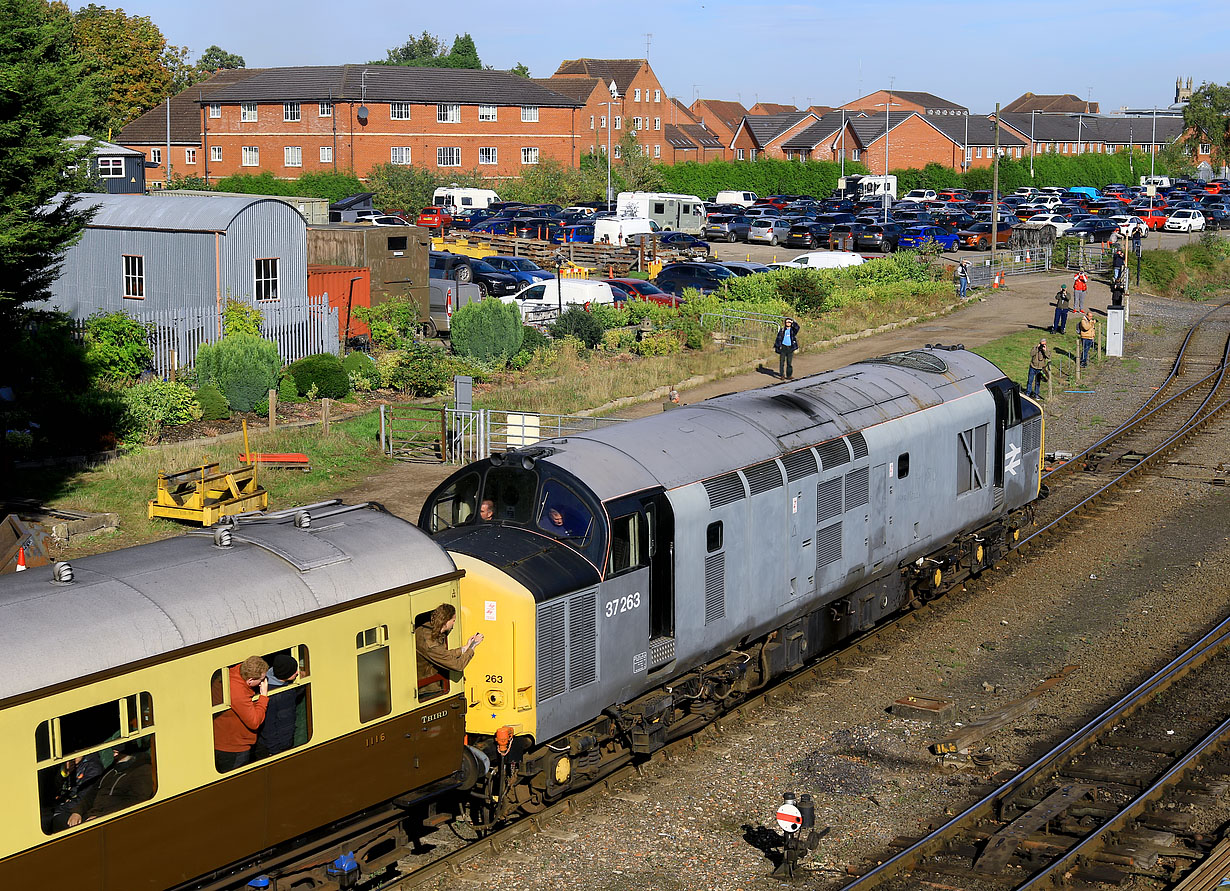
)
(660, 519)
(640, 576)
(1009, 478)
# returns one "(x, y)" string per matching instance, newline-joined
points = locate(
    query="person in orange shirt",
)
(235, 729)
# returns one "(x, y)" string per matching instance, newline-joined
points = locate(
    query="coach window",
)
(95, 761)
(375, 694)
(713, 537)
(903, 465)
(287, 721)
(433, 681)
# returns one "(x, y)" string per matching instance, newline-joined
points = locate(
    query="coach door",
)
(1009, 478)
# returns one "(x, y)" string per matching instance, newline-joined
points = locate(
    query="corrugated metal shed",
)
(151, 600)
(212, 214)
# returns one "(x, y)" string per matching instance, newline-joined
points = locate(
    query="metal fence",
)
(459, 436)
(1089, 257)
(1010, 261)
(298, 327)
(737, 328)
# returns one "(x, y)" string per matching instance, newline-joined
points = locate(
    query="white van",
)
(747, 199)
(826, 260)
(678, 213)
(540, 303)
(613, 230)
(1161, 182)
(457, 198)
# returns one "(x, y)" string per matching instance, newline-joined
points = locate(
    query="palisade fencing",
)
(299, 328)
(739, 328)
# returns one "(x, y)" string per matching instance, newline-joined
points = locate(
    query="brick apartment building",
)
(354, 117)
(906, 100)
(720, 118)
(636, 100)
(765, 135)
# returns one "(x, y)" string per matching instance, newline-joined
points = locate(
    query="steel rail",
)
(935, 841)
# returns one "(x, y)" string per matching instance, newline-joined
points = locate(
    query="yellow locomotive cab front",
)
(499, 681)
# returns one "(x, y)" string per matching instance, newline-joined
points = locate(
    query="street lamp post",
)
(1031, 143)
(610, 120)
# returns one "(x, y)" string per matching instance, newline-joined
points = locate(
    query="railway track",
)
(1111, 801)
(1174, 413)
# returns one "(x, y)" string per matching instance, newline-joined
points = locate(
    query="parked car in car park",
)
(706, 278)
(386, 220)
(770, 230)
(841, 236)
(491, 281)
(741, 267)
(1058, 223)
(1130, 225)
(878, 237)
(1093, 229)
(727, 227)
(1185, 220)
(824, 260)
(920, 236)
(545, 296)
(523, 269)
(645, 290)
(1153, 218)
(436, 219)
(920, 195)
(978, 236)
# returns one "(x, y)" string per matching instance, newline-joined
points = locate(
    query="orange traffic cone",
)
(21, 560)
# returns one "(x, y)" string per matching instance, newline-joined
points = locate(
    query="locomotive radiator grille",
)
(858, 444)
(715, 587)
(551, 650)
(856, 488)
(828, 545)
(583, 639)
(833, 453)
(799, 464)
(724, 489)
(1031, 436)
(828, 500)
(763, 477)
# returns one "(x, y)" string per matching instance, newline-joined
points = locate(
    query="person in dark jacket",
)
(786, 343)
(129, 781)
(76, 792)
(277, 733)
(1063, 304)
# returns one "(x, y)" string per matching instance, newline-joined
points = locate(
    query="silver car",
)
(768, 230)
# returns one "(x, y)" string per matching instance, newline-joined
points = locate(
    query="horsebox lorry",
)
(677, 213)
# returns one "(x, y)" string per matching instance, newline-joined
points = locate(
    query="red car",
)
(645, 290)
(434, 218)
(1154, 219)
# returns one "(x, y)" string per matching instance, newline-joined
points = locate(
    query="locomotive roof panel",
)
(153, 599)
(739, 429)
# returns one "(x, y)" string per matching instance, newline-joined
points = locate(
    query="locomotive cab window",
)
(628, 545)
(563, 514)
(95, 762)
(511, 493)
(250, 724)
(903, 465)
(375, 690)
(457, 504)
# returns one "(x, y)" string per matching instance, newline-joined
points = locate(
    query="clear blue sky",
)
(973, 53)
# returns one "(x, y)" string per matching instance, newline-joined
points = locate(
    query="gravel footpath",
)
(1117, 599)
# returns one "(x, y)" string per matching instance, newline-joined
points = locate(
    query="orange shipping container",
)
(348, 287)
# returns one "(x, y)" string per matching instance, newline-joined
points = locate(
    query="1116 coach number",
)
(623, 604)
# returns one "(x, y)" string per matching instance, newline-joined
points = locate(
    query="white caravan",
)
(678, 213)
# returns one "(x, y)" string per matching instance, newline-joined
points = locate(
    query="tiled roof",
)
(1068, 102)
(621, 71)
(770, 108)
(981, 130)
(1093, 128)
(767, 127)
(701, 135)
(579, 88)
(675, 136)
(151, 127)
(828, 125)
(871, 127)
(728, 113)
(819, 110)
(392, 83)
(926, 100)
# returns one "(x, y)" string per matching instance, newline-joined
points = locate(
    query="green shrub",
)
(488, 330)
(657, 343)
(362, 365)
(214, 406)
(533, 340)
(576, 322)
(241, 318)
(325, 371)
(609, 316)
(154, 405)
(392, 323)
(244, 367)
(421, 370)
(116, 346)
(288, 390)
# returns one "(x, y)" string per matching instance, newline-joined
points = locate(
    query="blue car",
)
(493, 226)
(917, 236)
(522, 269)
(581, 233)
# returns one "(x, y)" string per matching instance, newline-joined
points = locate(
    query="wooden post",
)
(273, 409)
(1050, 386)
(174, 365)
(324, 416)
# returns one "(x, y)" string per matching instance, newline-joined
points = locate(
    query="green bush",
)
(576, 322)
(154, 405)
(116, 346)
(392, 323)
(214, 406)
(241, 318)
(288, 390)
(532, 339)
(610, 316)
(657, 343)
(488, 330)
(362, 371)
(244, 367)
(325, 371)
(421, 370)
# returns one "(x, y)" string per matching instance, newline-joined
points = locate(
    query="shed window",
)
(487, 113)
(77, 754)
(283, 724)
(448, 114)
(529, 114)
(251, 156)
(375, 691)
(110, 167)
(397, 243)
(134, 277)
(247, 112)
(266, 278)
(215, 109)
(399, 111)
(292, 156)
(291, 111)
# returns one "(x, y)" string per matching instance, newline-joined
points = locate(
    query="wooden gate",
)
(415, 434)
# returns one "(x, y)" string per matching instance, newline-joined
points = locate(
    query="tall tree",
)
(520, 69)
(44, 97)
(216, 58)
(635, 170)
(463, 53)
(132, 55)
(429, 51)
(1207, 119)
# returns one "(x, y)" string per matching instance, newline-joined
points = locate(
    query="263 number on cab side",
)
(623, 604)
